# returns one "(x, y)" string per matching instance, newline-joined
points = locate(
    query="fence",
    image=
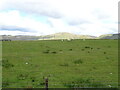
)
(46, 83)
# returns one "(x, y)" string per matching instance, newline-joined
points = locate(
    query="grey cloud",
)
(13, 28)
(78, 21)
(39, 8)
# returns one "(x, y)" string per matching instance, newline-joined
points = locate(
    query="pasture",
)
(67, 64)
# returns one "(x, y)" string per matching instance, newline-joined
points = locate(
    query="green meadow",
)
(66, 64)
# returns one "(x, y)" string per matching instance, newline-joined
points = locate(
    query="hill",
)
(65, 35)
(61, 35)
(110, 36)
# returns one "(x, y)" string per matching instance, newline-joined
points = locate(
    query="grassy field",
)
(77, 63)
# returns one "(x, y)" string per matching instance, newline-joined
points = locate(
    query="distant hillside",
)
(20, 37)
(65, 35)
(61, 35)
(110, 36)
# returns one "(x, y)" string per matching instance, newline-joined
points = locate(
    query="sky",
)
(43, 17)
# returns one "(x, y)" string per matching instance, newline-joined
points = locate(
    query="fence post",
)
(46, 83)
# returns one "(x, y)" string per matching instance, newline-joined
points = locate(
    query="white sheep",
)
(26, 63)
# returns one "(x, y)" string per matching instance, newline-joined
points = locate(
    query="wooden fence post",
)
(46, 83)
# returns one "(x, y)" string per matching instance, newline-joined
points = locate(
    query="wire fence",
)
(46, 83)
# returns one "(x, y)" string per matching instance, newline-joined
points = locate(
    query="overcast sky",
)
(42, 17)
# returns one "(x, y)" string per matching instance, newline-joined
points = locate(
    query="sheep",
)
(26, 63)
(83, 39)
(68, 39)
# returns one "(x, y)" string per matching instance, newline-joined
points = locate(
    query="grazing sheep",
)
(110, 73)
(68, 39)
(109, 85)
(26, 63)
(83, 39)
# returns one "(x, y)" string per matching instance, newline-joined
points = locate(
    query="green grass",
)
(78, 63)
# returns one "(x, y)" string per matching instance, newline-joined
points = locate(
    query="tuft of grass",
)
(98, 48)
(107, 57)
(7, 64)
(79, 61)
(47, 51)
(104, 52)
(5, 84)
(83, 83)
(87, 47)
(88, 51)
(22, 76)
(54, 52)
(70, 49)
(65, 64)
(91, 48)
(82, 49)
(94, 68)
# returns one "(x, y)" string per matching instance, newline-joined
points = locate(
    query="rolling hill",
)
(65, 35)
(61, 35)
(110, 36)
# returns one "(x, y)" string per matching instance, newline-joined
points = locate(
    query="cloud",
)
(13, 20)
(40, 7)
(13, 28)
(94, 17)
(6, 32)
(78, 22)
